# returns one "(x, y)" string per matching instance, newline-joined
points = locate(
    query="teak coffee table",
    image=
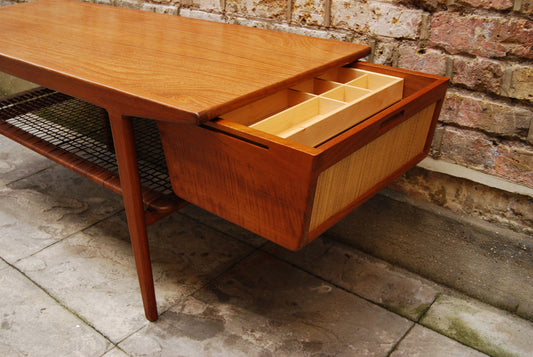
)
(280, 133)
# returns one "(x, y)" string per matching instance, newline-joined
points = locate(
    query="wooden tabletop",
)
(155, 65)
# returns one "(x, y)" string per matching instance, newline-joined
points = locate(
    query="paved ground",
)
(68, 286)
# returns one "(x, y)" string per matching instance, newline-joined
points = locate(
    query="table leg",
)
(122, 131)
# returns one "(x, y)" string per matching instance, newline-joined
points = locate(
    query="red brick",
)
(478, 73)
(429, 5)
(467, 148)
(482, 35)
(490, 4)
(491, 117)
(514, 162)
(510, 160)
(424, 60)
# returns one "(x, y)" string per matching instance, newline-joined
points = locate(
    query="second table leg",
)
(124, 143)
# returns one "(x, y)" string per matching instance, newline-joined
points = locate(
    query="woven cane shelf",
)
(76, 134)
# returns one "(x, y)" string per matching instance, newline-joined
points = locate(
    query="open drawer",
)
(290, 165)
(317, 109)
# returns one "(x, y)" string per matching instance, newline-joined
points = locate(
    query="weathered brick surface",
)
(469, 198)
(478, 73)
(524, 6)
(130, 4)
(476, 112)
(429, 5)
(381, 19)
(487, 36)
(520, 85)
(202, 15)
(384, 51)
(161, 8)
(271, 9)
(507, 159)
(7, 2)
(420, 59)
(146, 6)
(516, 161)
(467, 148)
(434, 151)
(309, 12)
(205, 5)
(489, 4)
(339, 35)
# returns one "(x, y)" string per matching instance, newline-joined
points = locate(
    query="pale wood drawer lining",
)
(317, 109)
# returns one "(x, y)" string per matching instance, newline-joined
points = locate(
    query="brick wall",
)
(484, 46)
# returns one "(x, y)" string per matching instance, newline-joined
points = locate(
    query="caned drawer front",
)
(350, 178)
(290, 165)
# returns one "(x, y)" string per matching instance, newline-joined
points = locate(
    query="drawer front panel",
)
(263, 189)
(352, 178)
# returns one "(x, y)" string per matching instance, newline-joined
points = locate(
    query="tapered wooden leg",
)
(122, 131)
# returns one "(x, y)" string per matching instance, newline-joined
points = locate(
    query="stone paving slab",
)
(423, 342)
(222, 225)
(481, 326)
(475, 257)
(16, 161)
(265, 307)
(93, 272)
(261, 306)
(115, 352)
(397, 290)
(46, 207)
(33, 324)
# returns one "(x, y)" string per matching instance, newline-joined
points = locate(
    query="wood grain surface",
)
(161, 66)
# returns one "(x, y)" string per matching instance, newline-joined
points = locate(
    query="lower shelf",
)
(76, 134)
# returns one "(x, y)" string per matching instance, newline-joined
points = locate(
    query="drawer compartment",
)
(268, 106)
(324, 107)
(252, 167)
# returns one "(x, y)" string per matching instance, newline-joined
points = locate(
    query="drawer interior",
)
(319, 108)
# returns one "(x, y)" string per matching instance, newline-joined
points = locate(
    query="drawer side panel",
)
(263, 189)
(353, 177)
